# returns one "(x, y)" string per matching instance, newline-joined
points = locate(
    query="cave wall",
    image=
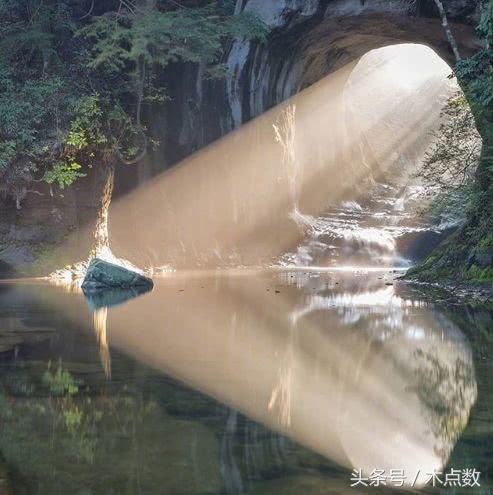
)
(307, 40)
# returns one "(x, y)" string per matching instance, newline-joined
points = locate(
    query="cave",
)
(253, 195)
(236, 312)
(307, 41)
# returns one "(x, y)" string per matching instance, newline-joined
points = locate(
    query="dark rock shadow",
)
(102, 298)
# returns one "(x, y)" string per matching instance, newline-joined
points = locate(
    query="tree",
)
(449, 166)
(475, 77)
(446, 28)
(75, 78)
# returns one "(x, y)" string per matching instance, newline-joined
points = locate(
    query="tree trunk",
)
(484, 173)
(446, 28)
(101, 241)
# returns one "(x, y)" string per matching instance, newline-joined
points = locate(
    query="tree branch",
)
(89, 12)
(448, 31)
(136, 159)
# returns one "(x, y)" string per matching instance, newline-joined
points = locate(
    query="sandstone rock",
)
(104, 275)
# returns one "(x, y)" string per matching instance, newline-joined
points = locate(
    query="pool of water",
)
(227, 382)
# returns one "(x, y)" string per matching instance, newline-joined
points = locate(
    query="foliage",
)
(75, 79)
(64, 174)
(30, 117)
(60, 382)
(476, 73)
(454, 155)
(106, 437)
(480, 274)
(449, 165)
(459, 169)
(132, 46)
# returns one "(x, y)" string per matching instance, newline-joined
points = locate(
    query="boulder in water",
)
(104, 275)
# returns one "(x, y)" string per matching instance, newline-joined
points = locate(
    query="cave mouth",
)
(392, 106)
(394, 97)
(334, 186)
(323, 179)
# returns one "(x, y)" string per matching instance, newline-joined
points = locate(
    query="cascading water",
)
(362, 233)
(368, 227)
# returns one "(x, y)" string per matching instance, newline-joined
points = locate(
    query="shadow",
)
(105, 298)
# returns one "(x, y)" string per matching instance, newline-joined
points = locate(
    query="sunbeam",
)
(242, 200)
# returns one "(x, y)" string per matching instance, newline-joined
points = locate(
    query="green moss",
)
(479, 274)
(453, 259)
(485, 244)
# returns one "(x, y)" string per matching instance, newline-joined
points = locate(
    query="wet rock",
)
(417, 245)
(104, 275)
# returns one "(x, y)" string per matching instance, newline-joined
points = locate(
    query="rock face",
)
(104, 275)
(308, 40)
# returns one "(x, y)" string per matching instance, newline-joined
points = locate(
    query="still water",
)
(278, 382)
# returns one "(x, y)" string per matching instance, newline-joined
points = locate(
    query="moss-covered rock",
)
(467, 255)
(104, 275)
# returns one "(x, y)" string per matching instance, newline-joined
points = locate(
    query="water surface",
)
(240, 382)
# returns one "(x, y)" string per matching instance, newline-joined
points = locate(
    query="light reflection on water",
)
(218, 383)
